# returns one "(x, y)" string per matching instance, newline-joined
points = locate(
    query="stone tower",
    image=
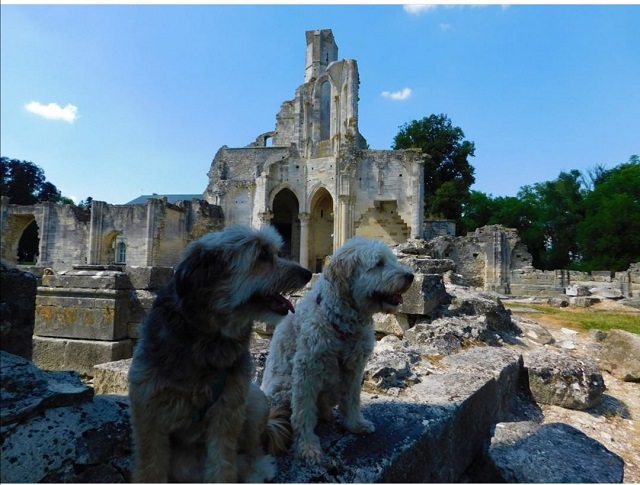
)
(318, 183)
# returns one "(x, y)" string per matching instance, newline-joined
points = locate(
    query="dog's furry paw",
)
(360, 426)
(309, 451)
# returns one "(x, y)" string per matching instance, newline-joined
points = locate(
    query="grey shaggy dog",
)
(317, 356)
(195, 414)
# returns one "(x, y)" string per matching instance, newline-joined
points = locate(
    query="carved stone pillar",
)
(304, 239)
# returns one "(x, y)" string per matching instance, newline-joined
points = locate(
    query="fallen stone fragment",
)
(528, 452)
(561, 379)
(621, 355)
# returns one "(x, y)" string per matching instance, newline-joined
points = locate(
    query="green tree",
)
(448, 175)
(609, 234)
(25, 183)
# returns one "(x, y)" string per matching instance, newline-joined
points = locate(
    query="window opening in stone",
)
(325, 111)
(28, 244)
(121, 253)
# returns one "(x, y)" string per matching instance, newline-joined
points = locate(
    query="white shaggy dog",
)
(317, 355)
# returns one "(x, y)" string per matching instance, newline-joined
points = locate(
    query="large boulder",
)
(53, 428)
(564, 380)
(528, 452)
(621, 355)
(466, 301)
(17, 310)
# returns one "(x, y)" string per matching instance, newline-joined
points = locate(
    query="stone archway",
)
(321, 229)
(285, 220)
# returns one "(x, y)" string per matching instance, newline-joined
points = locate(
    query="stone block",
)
(149, 277)
(577, 290)
(112, 377)
(432, 434)
(391, 323)
(564, 380)
(426, 293)
(85, 278)
(582, 301)
(73, 313)
(621, 355)
(80, 355)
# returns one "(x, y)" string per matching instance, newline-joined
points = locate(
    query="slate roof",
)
(171, 198)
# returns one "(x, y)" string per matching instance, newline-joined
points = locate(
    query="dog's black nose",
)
(409, 277)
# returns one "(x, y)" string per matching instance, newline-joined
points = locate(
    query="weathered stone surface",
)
(112, 377)
(80, 355)
(621, 355)
(391, 323)
(97, 314)
(426, 293)
(528, 452)
(426, 265)
(564, 380)
(431, 435)
(469, 302)
(534, 332)
(606, 292)
(53, 429)
(88, 278)
(27, 390)
(18, 294)
(583, 301)
(149, 277)
(445, 336)
(577, 290)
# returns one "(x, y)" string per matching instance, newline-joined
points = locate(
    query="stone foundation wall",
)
(90, 315)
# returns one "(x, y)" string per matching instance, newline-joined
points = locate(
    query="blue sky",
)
(113, 101)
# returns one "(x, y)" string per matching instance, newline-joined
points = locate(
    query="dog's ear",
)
(339, 271)
(197, 270)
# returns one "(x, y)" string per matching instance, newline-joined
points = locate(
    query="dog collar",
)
(342, 334)
(217, 388)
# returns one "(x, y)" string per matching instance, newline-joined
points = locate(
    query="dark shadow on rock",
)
(610, 406)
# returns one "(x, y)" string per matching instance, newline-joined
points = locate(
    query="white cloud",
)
(397, 95)
(53, 111)
(417, 9)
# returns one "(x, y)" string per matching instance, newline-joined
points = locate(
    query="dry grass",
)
(605, 317)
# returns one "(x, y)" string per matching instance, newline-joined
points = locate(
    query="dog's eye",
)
(380, 263)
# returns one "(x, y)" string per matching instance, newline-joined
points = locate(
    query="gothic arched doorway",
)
(320, 229)
(285, 220)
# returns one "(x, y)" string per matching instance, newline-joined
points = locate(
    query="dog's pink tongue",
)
(279, 303)
(397, 299)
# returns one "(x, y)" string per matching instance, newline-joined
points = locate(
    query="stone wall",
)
(153, 234)
(493, 258)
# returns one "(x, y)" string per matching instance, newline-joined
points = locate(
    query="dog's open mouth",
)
(395, 299)
(279, 304)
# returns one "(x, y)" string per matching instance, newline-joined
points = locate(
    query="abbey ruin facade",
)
(317, 181)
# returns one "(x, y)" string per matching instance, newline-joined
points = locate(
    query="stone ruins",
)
(318, 182)
(454, 378)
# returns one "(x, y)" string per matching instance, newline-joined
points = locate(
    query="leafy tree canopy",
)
(24, 182)
(577, 221)
(448, 174)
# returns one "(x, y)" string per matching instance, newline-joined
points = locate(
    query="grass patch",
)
(585, 319)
